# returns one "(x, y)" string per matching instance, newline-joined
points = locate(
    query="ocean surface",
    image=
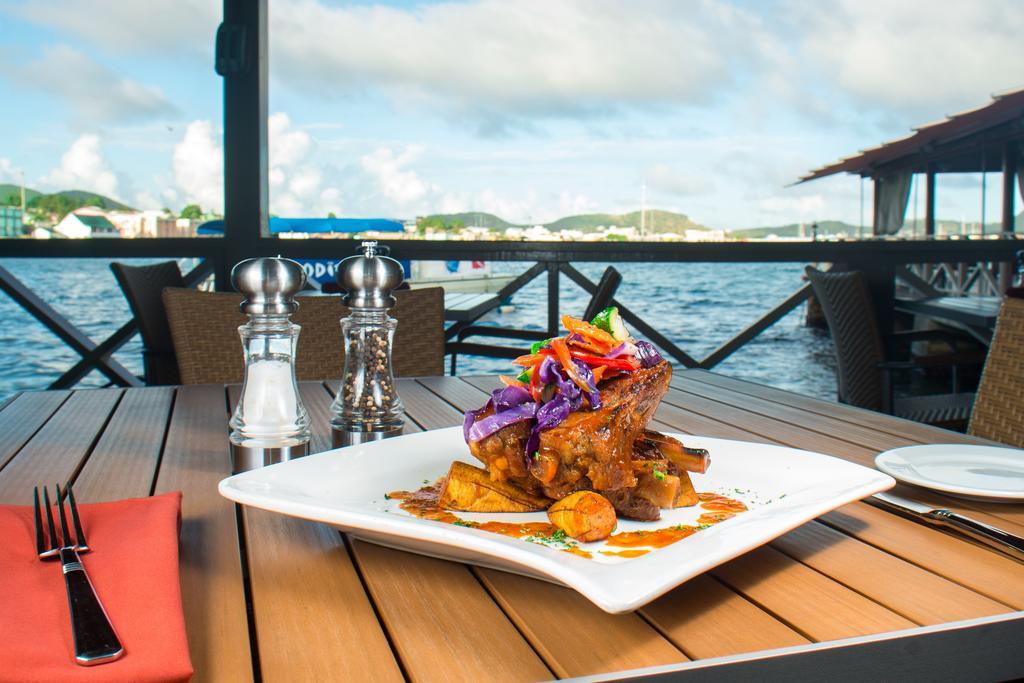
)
(698, 306)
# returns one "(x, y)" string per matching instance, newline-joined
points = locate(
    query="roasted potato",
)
(687, 495)
(471, 489)
(584, 515)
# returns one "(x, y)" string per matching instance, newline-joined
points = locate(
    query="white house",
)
(80, 226)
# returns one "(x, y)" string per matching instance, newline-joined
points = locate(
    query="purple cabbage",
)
(470, 417)
(647, 354)
(509, 397)
(497, 421)
(549, 415)
(593, 395)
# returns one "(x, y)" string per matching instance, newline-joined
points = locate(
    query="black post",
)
(1009, 189)
(553, 321)
(241, 58)
(929, 203)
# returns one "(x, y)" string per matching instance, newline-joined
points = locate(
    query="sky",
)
(529, 109)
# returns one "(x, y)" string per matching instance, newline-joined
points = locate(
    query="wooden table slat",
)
(54, 454)
(24, 415)
(706, 619)
(826, 610)
(444, 625)
(599, 641)
(125, 460)
(314, 620)
(195, 459)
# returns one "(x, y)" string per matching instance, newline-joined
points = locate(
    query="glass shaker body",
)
(367, 401)
(269, 413)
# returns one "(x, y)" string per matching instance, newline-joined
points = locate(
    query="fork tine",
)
(82, 543)
(54, 543)
(63, 519)
(40, 536)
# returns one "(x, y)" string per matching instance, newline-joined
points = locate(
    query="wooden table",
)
(976, 314)
(281, 599)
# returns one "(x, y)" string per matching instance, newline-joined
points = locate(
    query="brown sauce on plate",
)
(423, 503)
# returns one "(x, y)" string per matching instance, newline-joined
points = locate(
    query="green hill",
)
(58, 202)
(92, 199)
(470, 218)
(10, 195)
(793, 230)
(657, 221)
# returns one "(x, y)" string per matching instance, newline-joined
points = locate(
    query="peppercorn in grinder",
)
(367, 407)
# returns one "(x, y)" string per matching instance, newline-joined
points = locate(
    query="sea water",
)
(698, 306)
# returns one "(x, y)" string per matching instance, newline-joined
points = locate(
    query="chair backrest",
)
(142, 287)
(998, 412)
(205, 330)
(605, 292)
(846, 303)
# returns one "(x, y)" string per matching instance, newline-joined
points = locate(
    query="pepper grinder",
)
(270, 424)
(367, 407)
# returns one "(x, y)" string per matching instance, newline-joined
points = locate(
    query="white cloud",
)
(663, 179)
(916, 56)
(170, 26)
(296, 182)
(7, 172)
(198, 166)
(494, 60)
(96, 94)
(401, 186)
(83, 167)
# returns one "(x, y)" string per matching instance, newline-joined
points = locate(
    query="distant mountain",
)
(67, 200)
(10, 195)
(472, 219)
(793, 230)
(657, 221)
(91, 198)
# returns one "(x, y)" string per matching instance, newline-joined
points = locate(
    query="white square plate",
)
(783, 488)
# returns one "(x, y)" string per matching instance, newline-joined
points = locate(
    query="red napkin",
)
(133, 565)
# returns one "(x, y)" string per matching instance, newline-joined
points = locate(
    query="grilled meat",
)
(591, 448)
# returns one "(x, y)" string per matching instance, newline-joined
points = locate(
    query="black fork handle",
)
(95, 640)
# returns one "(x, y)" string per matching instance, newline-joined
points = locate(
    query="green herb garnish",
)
(462, 522)
(387, 497)
(659, 475)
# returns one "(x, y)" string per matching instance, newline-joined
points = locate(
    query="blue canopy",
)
(279, 225)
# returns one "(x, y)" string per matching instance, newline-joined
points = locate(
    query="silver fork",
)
(95, 640)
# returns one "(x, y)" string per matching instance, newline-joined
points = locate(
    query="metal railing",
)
(883, 261)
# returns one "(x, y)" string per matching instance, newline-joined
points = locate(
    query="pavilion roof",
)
(957, 143)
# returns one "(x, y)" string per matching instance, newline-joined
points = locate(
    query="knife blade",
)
(997, 538)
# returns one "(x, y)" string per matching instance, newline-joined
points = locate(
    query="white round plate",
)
(978, 472)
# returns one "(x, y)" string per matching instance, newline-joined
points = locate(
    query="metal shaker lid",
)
(269, 285)
(369, 278)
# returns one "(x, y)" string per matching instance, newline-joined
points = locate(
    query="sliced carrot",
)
(511, 381)
(529, 360)
(592, 333)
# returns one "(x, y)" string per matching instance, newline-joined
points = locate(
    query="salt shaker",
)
(269, 424)
(367, 407)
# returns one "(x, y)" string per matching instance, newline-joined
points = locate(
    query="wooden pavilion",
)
(988, 138)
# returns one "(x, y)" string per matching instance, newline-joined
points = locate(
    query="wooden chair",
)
(865, 359)
(142, 287)
(605, 292)
(999, 406)
(204, 326)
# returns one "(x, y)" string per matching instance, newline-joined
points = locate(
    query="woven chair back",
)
(846, 303)
(998, 412)
(142, 287)
(205, 330)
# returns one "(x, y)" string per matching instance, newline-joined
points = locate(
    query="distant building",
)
(12, 221)
(81, 226)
